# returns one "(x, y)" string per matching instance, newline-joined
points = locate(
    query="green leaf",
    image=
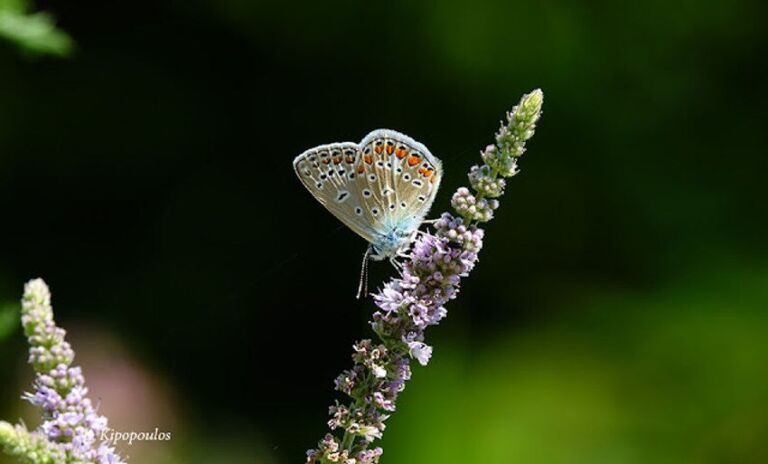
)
(34, 33)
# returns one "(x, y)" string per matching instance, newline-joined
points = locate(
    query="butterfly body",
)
(381, 188)
(393, 244)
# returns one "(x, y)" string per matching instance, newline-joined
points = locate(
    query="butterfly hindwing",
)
(403, 177)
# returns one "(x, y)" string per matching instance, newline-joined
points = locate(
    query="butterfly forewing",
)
(329, 172)
(386, 182)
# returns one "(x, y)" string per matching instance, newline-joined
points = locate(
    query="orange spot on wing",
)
(368, 158)
(326, 161)
(400, 153)
(390, 149)
(336, 160)
(378, 149)
(433, 179)
(360, 168)
(350, 159)
(413, 160)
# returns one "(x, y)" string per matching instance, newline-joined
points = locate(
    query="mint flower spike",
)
(408, 304)
(71, 430)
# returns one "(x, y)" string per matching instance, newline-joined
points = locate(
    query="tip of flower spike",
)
(535, 97)
(530, 104)
(36, 291)
(7, 431)
(11, 437)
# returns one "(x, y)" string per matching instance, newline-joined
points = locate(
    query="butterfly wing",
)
(330, 173)
(403, 177)
(386, 182)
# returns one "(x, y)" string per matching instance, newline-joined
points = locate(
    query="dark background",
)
(618, 313)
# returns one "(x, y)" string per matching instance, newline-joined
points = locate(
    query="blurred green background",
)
(618, 314)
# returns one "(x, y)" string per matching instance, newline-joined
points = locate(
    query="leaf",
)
(34, 33)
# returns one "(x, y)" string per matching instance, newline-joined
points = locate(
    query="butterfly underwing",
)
(381, 188)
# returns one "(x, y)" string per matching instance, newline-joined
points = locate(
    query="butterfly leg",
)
(362, 288)
(397, 264)
(420, 233)
(404, 254)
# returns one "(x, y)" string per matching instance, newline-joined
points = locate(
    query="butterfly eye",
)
(367, 193)
(372, 177)
(392, 206)
(342, 196)
(359, 211)
(418, 183)
(403, 204)
(380, 164)
(375, 211)
(406, 177)
(351, 175)
(422, 198)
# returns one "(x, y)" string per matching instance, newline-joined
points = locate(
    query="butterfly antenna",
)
(362, 288)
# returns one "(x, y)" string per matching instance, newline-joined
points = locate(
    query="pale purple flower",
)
(382, 401)
(420, 351)
(390, 298)
(369, 432)
(369, 456)
(71, 428)
(409, 304)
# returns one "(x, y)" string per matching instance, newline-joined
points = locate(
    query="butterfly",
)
(381, 188)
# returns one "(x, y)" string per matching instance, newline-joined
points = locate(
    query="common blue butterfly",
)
(381, 188)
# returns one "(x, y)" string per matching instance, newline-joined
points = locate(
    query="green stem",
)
(347, 441)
